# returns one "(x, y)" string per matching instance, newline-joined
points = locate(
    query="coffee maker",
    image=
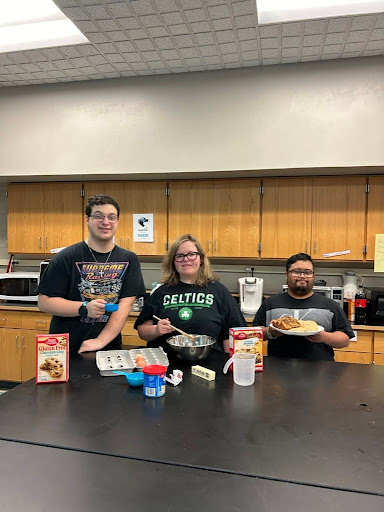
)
(251, 294)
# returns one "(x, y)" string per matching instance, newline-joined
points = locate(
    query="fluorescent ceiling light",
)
(29, 24)
(280, 11)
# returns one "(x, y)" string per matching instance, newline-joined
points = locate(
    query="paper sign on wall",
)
(143, 227)
(379, 254)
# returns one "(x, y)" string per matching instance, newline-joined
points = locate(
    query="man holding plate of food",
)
(303, 323)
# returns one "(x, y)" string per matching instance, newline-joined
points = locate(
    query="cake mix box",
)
(52, 358)
(247, 340)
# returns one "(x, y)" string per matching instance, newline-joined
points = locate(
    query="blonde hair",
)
(169, 274)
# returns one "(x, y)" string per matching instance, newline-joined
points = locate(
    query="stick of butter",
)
(204, 373)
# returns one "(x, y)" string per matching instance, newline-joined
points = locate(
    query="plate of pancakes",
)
(291, 326)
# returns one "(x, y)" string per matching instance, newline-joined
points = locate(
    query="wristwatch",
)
(270, 336)
(83, 312)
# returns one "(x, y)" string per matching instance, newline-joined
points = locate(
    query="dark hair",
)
(301, 256)
(100, 199)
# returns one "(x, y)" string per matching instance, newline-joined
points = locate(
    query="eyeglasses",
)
(191, 256)
(296, 272)
(99, 217)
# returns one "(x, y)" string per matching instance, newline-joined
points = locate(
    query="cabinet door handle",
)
(46, 242)
(17, 341)
(315, 246)
(23, 342)
(39, 242)
(216, 245)
(121, 242)
(3, 319)
(306, 246)
(209, 246)
(127, 245)
(40, 321)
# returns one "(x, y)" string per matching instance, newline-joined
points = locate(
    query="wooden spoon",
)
(192, 338)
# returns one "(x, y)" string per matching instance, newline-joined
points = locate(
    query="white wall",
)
(306, 115)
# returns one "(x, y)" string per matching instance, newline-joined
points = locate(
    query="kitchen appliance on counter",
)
(19, 286)
(251, 294)
(375, 306)
(351, 284)
(335, 293)
(43, 267)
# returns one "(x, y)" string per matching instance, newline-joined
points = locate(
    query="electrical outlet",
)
(248, 269)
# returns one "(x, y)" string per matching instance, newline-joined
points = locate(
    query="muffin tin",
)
(124, 360)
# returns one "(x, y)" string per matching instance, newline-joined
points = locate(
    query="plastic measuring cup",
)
(243, 368)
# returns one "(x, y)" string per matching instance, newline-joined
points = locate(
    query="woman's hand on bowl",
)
(164, 327)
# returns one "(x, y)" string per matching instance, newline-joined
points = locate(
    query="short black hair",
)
(301, 256)
(100, 199)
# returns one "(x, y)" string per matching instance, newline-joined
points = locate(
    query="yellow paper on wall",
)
(379, 254)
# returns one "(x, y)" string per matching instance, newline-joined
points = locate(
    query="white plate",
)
(297, 333)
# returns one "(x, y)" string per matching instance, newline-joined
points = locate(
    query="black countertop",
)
(317, 423)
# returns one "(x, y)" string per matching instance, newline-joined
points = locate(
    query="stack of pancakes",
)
(288, 323)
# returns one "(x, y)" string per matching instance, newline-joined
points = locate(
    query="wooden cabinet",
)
(140, 198)
(18, 331)
(43, 216)
(358, 351)
(224, 215)
(314, 215)
(375, 215)
(286, 217)
(378, 348)
(130, 335)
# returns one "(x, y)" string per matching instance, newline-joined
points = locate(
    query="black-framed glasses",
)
(296, 272)
(191, 256)
(99, 217)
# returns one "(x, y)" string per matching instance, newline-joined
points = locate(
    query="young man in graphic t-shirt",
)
(299, 301)
(86, 276)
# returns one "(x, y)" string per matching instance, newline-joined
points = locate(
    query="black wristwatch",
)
(83, 312)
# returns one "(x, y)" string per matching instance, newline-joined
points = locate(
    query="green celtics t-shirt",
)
(209, 310)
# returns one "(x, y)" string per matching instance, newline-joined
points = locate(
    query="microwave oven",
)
(375, 306)
(335, 293)
(19, 286)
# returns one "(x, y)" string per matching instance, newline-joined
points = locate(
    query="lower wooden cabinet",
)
(130, 335)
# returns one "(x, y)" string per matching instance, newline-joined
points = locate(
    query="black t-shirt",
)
(209, 310)
(324, 311)
(74, 275)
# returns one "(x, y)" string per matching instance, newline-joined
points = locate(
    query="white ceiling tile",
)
(129, 23)
(250, 56)
(226, 36)
(249, 63)
(184, 41)
(310, 50)
(126, 46)
(289, 60)
(290, 52)
(86, 26)
(13, 68)
(244, 7)
(339, 24)
(170, 54)
(208, 50)
(380, 21)
(88, 70)
(61, 64)
(221, 11)
(53, 53)
(87, 49)
(166, 5)
(375, 45)
(354, 47)
(137, 34)
(378, 33)
(120, 9)
(196, 68)
(357, 36)
(132, 57)
(97, 37)
(271, 42)
(19, 57)
(291, 42)
(372, 52)
(246, 46)
(35, 55)
(77, 63)
(142, 6)
(139, 66)
(178, 29)
(336, 38)
(244, 21)
(173, 18)
(204, 38)
(96, 60)
(330, 56)
(73, 72)
(214, 59)
(192, 62)
(188, 53)
(175, 63)
(228, 48)
(49, 66)
(164, 43)
(75, 13)
(312, 40)
(246, 33)
(223, 24)
(200, 26)
(270, 62)
(41, 75)
(363, 22)
(269, 31)
(116, 35)
(151, 20)
(157, 32)
(105, 68)
(151, 55)
(106, 48)
(269, 54)
(108, 25)
(195, 15)
(155, 65)
(314, 27)
(332, 48)
(350, 55)
(67, 51)
(291, 29)
(191, 4)
(231, 57)
(98, 12)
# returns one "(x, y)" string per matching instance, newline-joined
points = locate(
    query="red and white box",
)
(52, 358)
(247, 340)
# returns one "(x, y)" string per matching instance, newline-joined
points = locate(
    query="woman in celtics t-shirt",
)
(190, 298)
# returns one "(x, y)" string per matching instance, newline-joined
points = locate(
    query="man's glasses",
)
(99, 217)
(296, 272)
(191, 256)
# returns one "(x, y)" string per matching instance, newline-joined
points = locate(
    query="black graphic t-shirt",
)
(209, 310)
(324, 311)
(73, 276)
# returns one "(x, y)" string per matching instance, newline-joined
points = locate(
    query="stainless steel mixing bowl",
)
(189, 350)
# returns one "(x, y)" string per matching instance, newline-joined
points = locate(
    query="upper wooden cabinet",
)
(136, 197)
(223, 215)
(286, 217)
(314, 215)
(43, 216)
(375, 213)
